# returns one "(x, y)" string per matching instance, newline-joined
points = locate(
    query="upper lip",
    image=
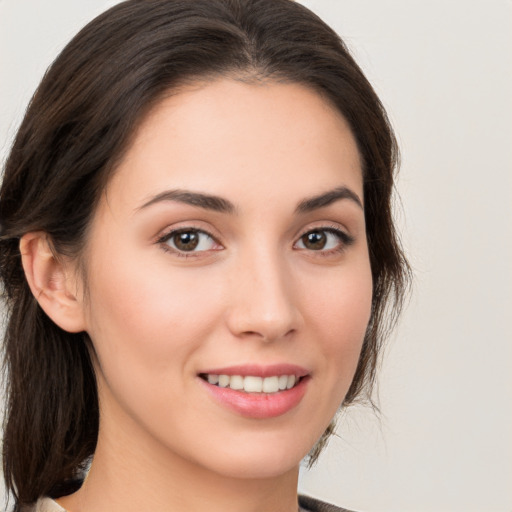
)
(259, 370)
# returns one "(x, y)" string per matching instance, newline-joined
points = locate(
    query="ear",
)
(52, 281)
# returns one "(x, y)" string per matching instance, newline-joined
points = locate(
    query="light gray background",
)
(443, 70)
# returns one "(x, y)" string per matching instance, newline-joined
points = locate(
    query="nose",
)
(264, 303)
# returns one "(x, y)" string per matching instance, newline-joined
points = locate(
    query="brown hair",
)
(76, 128)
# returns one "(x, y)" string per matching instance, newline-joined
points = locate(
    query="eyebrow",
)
(221, 205)
(327, 198)
(206, 201)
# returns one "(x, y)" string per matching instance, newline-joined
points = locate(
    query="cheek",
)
(146, 329)
(341, 301)
(145, 317)
(339, 312)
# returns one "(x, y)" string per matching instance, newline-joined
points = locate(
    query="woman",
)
(197, 253)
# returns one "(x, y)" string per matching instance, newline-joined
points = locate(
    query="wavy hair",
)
(77, 126)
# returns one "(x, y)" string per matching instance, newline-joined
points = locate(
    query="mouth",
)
(253, 383)
(255, 391)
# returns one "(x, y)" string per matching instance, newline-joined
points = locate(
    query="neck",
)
(130, 477)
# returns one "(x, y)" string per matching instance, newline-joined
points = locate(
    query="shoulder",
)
(44, 505)
(308, 504)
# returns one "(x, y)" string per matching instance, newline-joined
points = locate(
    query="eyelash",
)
(345, 240)
(162, 241)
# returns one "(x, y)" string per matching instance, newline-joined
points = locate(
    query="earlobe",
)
(52, 282)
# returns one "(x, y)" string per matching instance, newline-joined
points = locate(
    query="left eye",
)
(189, 240)
(323, 240)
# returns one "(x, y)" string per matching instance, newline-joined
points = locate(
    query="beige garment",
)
(45, 505)
(313, 505)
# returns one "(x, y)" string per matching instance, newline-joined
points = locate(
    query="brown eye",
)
(189, 240)
(314, 240)
(325, 240)
(186, 240)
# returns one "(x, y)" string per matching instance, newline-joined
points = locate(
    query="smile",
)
(252, 383)
(259, 392)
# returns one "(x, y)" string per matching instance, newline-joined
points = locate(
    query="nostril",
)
(268, 335)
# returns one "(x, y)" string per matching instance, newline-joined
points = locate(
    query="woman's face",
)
(228, 260)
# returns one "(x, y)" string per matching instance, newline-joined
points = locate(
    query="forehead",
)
(266, 136)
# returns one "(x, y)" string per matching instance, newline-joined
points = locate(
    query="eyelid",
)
(167, 234)
(331, 226)
(346, 239)
(187, 225)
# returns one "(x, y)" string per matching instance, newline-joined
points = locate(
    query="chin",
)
(268, 466)
(261, 455)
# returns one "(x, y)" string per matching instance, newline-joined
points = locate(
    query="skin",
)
(254, 293)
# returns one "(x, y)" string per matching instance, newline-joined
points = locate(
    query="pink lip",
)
(259, 370)
(259, 405)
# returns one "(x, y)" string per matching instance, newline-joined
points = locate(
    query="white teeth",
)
(236, 382)
(213, 379)
(253, 384)
(270, 384)
(224, 381)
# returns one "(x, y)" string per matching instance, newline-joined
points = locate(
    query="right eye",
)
(188, 240)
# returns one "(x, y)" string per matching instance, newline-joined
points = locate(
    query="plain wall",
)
(443, 70)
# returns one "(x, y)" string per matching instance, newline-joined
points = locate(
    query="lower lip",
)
(259, 405)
